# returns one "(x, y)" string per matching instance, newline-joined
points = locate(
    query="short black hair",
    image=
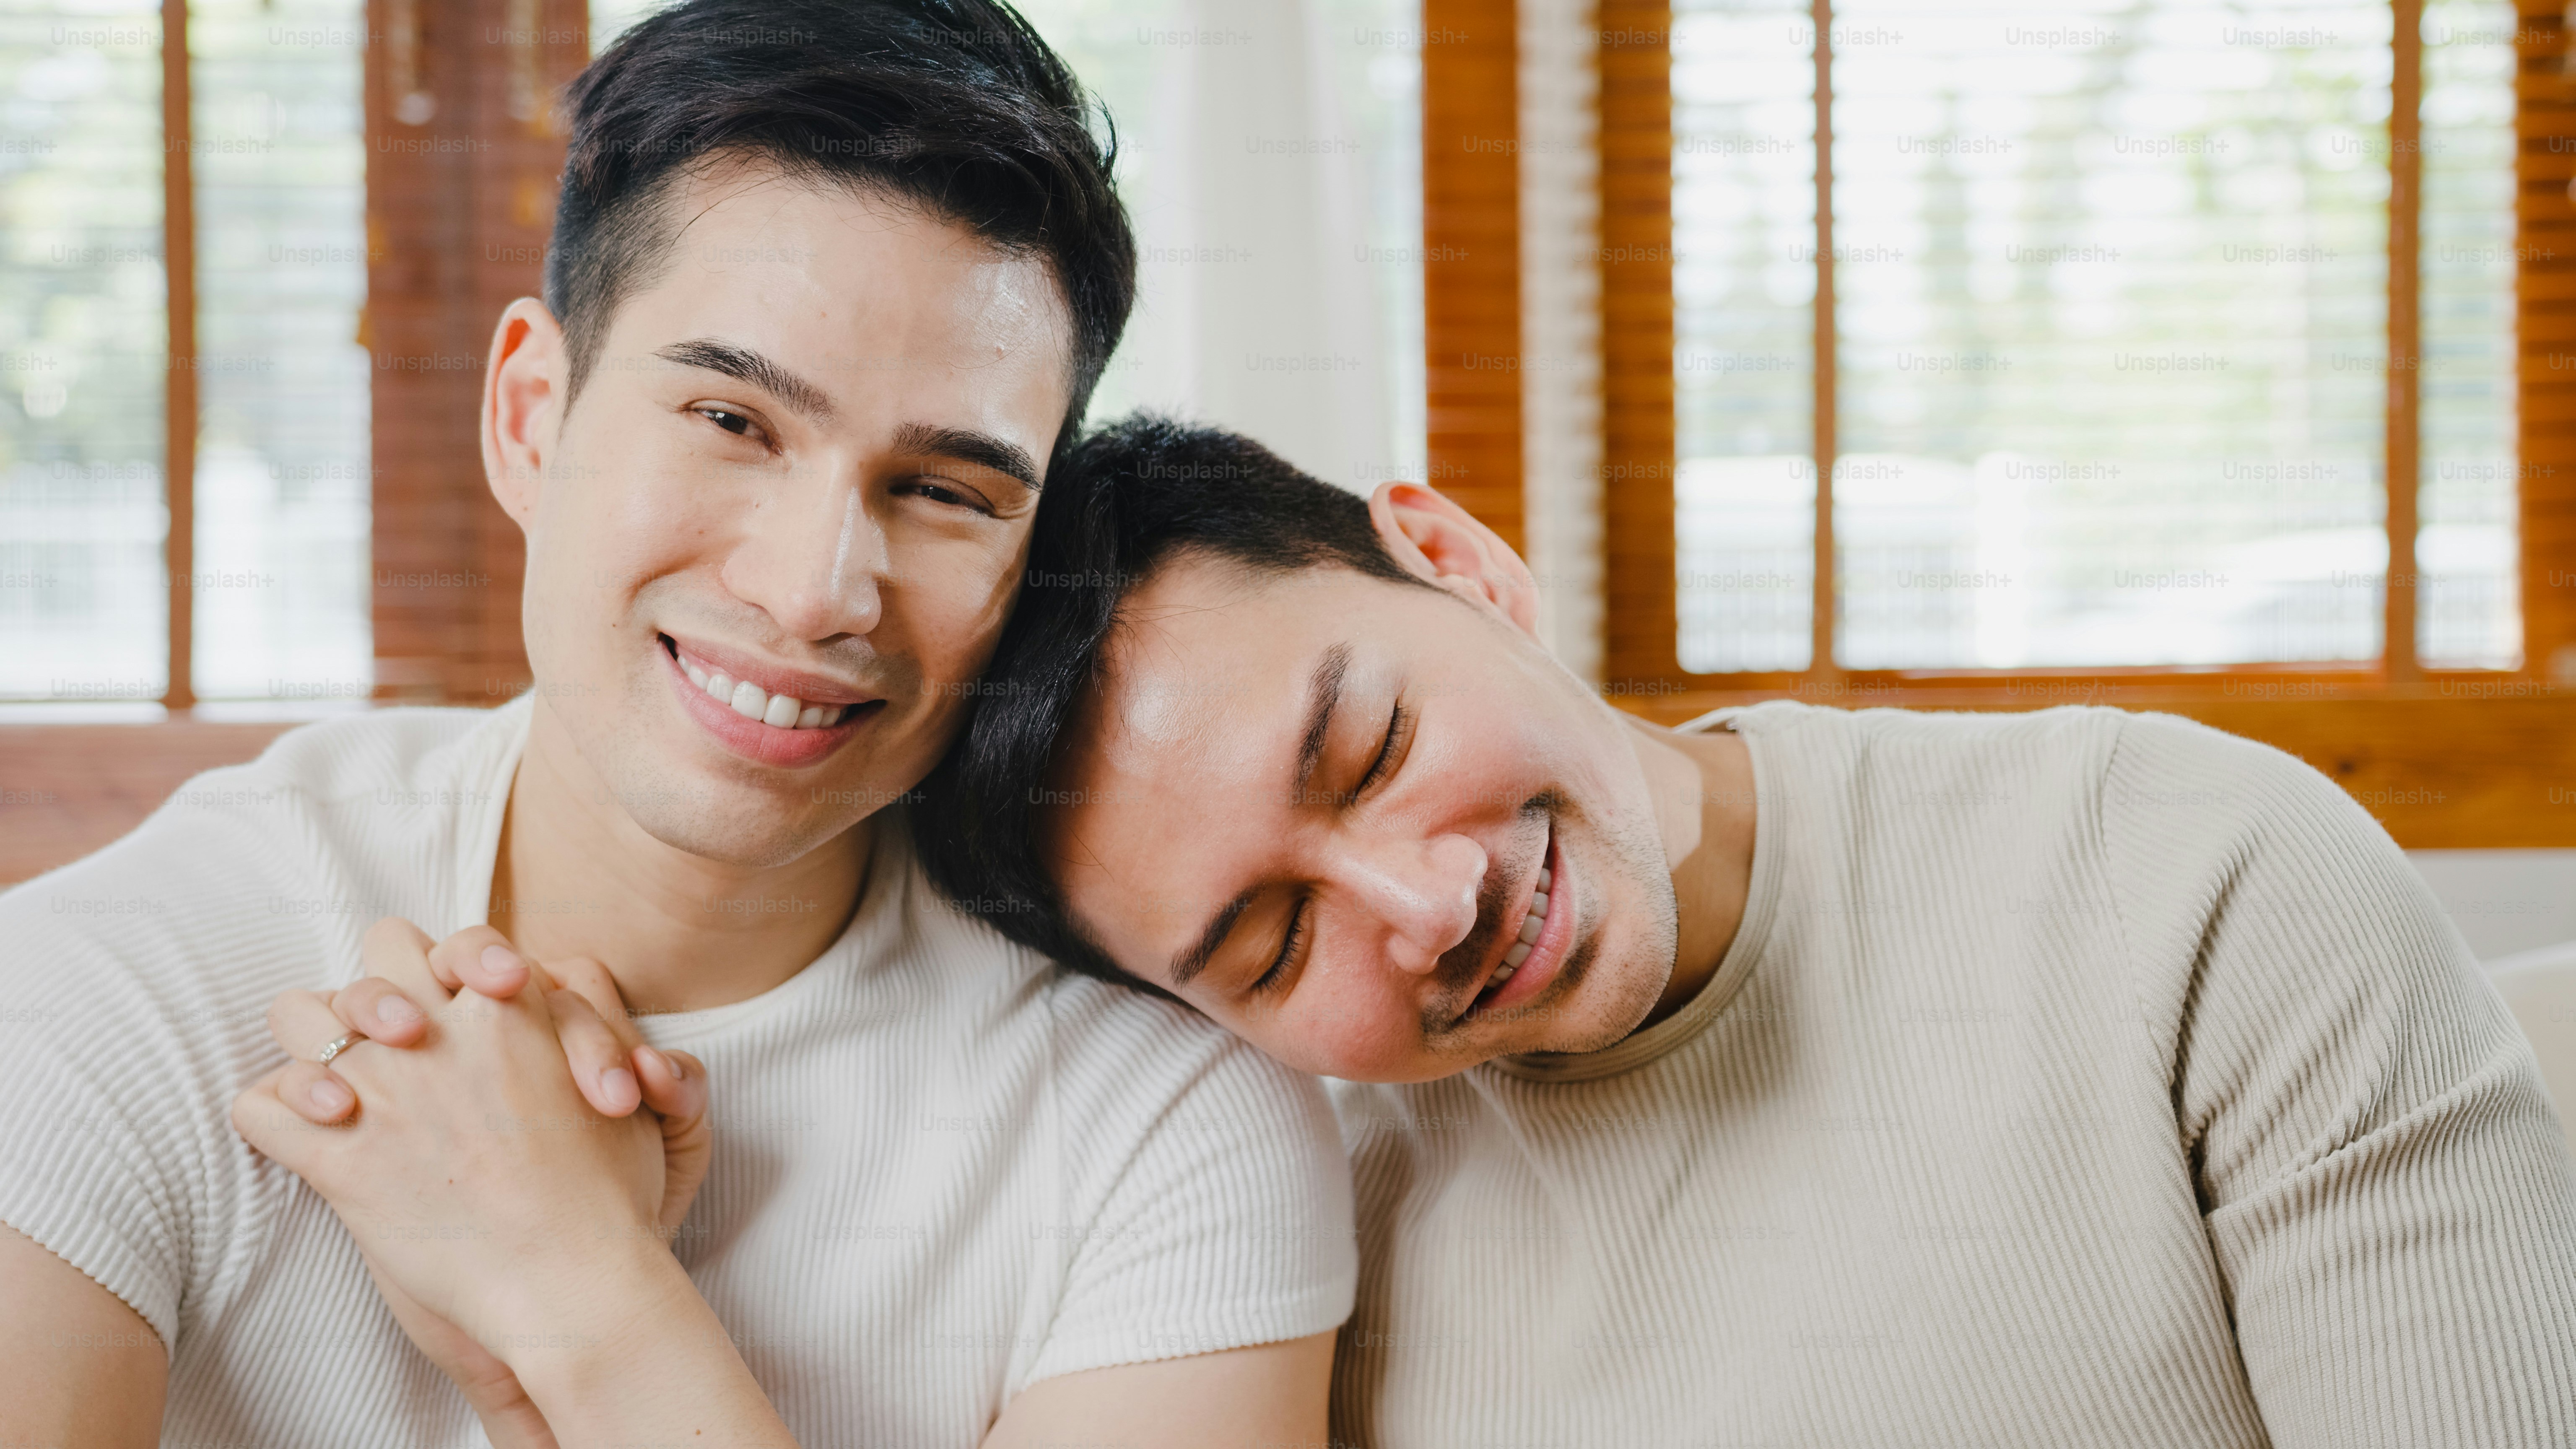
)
(955, 106)
(1130, 498)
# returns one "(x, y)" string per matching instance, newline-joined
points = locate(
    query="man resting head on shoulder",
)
(1797, 1076)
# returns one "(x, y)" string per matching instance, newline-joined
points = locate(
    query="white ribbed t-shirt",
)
(943, 1169)
(2075, 1078)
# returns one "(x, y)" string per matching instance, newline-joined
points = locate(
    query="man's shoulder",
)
(396, 756)
(1139, 1066)
(2081, 757)
(373, 768)
(282, 854)
(1963, 731)
(1127, 1034)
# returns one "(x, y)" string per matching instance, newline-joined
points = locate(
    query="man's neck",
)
(1703, 783)
(576, 876)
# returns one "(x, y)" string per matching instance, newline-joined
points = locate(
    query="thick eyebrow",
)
(745, 365)
(968, 446)
(1323, 696)
(963, 444)
(1187, 965)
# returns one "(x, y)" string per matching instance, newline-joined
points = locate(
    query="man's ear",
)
(1439, 541)
(523, 391)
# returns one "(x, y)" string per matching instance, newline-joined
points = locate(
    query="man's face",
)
(801, 473)
(1317, 807)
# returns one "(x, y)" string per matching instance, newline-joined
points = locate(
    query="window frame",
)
(179, 370)
(2447, 757)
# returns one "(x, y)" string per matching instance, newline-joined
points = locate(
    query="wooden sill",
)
(2485, 762)
(2459, 762)
(67, 789)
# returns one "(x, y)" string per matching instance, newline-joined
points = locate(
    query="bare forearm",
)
(646, 1363)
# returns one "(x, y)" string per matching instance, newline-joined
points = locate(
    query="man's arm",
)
(2388, 1199)
(1272, 1394)
(78, 1369)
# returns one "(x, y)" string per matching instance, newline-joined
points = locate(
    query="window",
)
(1270, 160)
(81, 355)
(2103, 374)
(269, 390)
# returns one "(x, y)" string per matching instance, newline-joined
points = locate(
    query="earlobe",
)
(1444, 544)
(522, 392)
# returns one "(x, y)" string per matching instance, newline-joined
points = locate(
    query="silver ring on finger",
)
(337, 1045)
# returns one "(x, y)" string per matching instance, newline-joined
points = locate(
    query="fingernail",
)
(332, 1098)
(497, 959)
(661, 1062)
(396, 1010)
(616, 1083)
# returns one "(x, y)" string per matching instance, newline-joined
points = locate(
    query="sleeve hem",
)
(84, 1252)
(1248, 1325)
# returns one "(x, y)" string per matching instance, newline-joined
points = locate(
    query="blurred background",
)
(2166, 354)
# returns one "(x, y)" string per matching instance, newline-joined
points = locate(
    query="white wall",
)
(2505, 901)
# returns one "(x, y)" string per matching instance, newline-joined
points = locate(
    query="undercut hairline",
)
(659, 230)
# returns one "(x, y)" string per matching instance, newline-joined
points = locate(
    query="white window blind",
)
(1270, 156)
(279, 576)
(82, 609)
(2110, 310)
(284, 472)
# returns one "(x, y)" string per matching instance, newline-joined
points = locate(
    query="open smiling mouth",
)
(1530, 963)
(769, 726)
(778, 711)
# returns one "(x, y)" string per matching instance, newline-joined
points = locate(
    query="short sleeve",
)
(2387, 1194)
(1209, 1200)
(104, 1148)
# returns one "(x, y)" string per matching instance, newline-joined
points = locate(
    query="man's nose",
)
(1423, 892)
(815, 560)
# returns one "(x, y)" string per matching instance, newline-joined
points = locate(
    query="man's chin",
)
(1606, 994)
(716, 822)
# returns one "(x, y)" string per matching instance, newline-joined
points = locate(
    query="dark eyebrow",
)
(963, 444)
(745, 365)
(1323, 696)
(1191, 962)
(968, 446)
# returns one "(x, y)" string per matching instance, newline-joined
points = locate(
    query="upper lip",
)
(772, 678)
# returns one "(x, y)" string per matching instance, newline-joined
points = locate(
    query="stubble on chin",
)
(1621, 986)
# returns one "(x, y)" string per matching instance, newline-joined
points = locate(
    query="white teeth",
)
(1532, 924)
(778, 711)
(1545, 878)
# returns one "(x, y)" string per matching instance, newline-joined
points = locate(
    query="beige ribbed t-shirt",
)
(944, 1170)
(2075, 1078)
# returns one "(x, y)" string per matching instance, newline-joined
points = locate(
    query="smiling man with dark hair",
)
(831, 282)
(1795, 1077)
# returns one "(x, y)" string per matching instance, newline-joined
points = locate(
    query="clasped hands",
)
(482, 1144)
